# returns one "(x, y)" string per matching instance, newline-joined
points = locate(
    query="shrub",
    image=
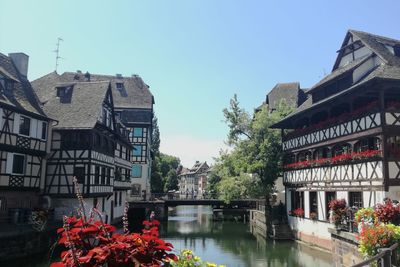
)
(387, 212)
(299, 212)
(374, 237)
(339, 210)
(187, 259)
(313, 216)
(93, 243)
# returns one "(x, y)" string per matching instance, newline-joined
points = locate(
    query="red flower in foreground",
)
(94, 244)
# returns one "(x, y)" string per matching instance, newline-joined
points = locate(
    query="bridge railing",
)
(387, 257)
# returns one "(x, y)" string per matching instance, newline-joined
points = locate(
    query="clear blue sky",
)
(194, 54)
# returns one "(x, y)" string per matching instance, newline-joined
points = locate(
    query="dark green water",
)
(227, 243)
(233, 245)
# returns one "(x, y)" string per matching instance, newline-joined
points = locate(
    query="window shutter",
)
(9, 162)
(16, 123)
(34, 128)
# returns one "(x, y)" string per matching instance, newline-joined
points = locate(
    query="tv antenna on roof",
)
(57, 51)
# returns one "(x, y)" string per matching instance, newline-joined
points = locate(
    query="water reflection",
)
(232, 244)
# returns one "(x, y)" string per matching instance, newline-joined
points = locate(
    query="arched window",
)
(341, 149)
(370, 143)
(304, 156)
(321, 153)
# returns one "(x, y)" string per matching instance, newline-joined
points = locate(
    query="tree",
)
(171, 181)
(252, 166)
(155, 137)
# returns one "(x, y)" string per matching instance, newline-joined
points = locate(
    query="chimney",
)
(20, 61)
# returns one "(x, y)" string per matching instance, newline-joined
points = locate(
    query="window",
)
(137, 171)
(24, 125)
(135, 191)
(44, 130)
(329, 196)
(108, 176)
(79, 173)
(137, 132)
(118, 114)
(96, 175)
(313, 203)
(103, 175)
(120, 198)
(355, 199)
(120, 86)
(117, 174)
(297, 199)
(115, 198)
(137, 150)
(18, 164)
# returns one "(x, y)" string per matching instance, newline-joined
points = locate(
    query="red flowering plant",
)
(388, 212)
(340, 159)
(91, 242)
(299, 212)
(338, 209)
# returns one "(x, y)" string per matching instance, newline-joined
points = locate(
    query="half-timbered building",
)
(87, 142)
(23, 138)
(193, 181)
(133, 106)
(344, 140)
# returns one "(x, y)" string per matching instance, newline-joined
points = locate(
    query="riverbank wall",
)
(18, 242)
(344, 248)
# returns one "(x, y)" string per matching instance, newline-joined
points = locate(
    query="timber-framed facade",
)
(24, 131)
(88, 142)
(344, 140)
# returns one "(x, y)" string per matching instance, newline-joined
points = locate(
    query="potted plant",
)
(313, 216)
(338, 210)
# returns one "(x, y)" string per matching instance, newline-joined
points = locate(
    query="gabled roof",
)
(376, 43)
(288, 92)
(22, 96)
(387, 69)
(134, 93)
(339, 72)
(84, 109)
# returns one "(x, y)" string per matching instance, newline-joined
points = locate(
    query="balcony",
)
(363, 167)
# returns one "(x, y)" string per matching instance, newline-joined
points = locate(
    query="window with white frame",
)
(24, 125)
(18, 165)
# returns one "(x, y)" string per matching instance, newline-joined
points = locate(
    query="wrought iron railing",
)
(387, 257)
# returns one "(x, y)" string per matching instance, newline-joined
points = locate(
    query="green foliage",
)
(187, 259)
(164, 173)
(171, 181)
(250, 169)
(163, 166)
(155, 137)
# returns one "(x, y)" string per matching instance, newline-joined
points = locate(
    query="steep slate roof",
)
(22, 95)
(289, 92)
(388, 70)
(84, 109)
(135, 93)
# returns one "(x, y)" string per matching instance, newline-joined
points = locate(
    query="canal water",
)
(232, 244)
(227, 243)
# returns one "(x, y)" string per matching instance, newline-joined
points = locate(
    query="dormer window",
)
(65, 94)
(120, 86)
(6, 84)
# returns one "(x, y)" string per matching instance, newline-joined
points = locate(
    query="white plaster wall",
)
(343, 194)
(310, 227)
(393, 193)
(362, 52)
(288, 200)
(371, 198)
(321, 205)
(307, 204)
